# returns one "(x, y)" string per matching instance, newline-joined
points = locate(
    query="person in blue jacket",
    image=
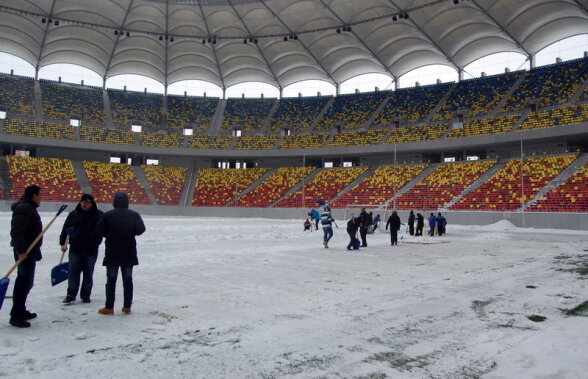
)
(432, 223)
(326, 222)
(315, 215)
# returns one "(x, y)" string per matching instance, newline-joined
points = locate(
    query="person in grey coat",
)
(119, 227)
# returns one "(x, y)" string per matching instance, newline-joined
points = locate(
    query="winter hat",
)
(320, 201)
(87, 197)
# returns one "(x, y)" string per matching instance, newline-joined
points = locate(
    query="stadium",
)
(505, 145)
(229, 285)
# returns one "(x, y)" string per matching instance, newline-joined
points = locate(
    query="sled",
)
(5, 281)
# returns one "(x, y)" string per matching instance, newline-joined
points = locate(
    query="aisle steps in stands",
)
(578, 93)
(481, 180)
(251, 187)
(216, 122)
(38, 102)
(507, 95)
(525, 113)
(267, 120)
(375, 114)
(411, 184)
(355, 183)
(296, 187)
(189, 187)
(559, 179)
(5, 178)
(82, 176)
(142, 179)
(321, 114)
(107, 108)
(440, 104)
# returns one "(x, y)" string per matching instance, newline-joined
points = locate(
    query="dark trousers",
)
(81, 262)
(352, 239)
(419, 231)
(127, 277)
(411, 229)
(363, 234)
(394, 236)
(25, 279)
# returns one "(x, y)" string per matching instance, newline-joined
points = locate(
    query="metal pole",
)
(394, 178)
(303, 170)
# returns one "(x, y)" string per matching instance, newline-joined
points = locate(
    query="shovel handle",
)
(63, 252)
(36, 240)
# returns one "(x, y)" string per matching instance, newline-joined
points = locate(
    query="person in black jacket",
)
(364, 223)
(25, 226)
(119, 227)
(352, 226)
(81, 224)
(420, 225)
(394, 223)
(411, 219)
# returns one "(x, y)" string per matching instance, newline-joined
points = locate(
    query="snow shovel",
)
(5, 281)
(60, 272)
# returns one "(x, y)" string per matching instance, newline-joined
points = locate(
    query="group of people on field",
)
(83, 230)
(365, 223)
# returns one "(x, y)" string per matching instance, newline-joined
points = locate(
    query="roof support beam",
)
(115, 44)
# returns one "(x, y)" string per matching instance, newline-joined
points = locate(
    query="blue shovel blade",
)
(59, 273)
(3, 288)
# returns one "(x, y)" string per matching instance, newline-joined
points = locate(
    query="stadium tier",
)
(165, 183)
(274, 186)
(190, 112)
(216, 187)
(304, 141)
(55, 176)
(108, 178)
(297, 114)
(569, 196)
(325, 185)
(17, 94)
(379, 187)
(442, 185)
(504, 190)
(351, 111)
(246, 115)
(130, 108)
(66, 101)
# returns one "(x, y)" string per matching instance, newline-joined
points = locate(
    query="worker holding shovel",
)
(25, 226)
(80, 225)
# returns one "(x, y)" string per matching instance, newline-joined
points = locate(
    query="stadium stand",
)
(303, 141)
(274, 186)
(380, 186)
(39, 129)
(216, 187)
(166, 183)
(190, 112)
(220, 142)
(297, 114)
(161, 139)
(104, 135)
(325, 185)
(446, 182)
(108, 178)
(65, 101)
(476, 97)
(368, 137)
(247, 115)
(130, 108)
(551, 85)
(556, 117)
(570, 196)
(410, 104)
(55, 176)
(417, 133)
(351, 111)
(502, 192)
(494, 125)
(199, 141)
(17, 94)
(266, 142)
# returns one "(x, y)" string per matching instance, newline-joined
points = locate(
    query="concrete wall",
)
(574, 221)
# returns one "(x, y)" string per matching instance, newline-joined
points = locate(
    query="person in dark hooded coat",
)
(25, 226)
(81, 224)
(420, 225)
(394, 224)
(119, 227)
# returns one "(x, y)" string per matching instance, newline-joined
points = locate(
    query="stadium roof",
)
(279, 42)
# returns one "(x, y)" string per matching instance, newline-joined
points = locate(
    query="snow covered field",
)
(257, 298)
